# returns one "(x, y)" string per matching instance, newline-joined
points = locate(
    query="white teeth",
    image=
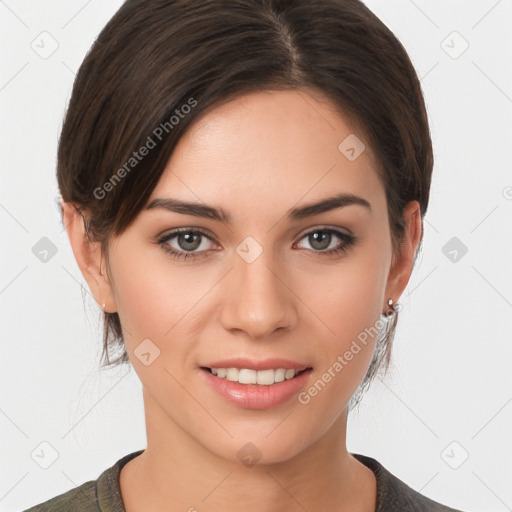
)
(247, 376)
(279, 375)
(232, 374)
(262, 377)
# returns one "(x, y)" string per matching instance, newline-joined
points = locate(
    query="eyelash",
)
(348, 240)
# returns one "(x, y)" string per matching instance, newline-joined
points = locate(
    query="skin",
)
(256, 157)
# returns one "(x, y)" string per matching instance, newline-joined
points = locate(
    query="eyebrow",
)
(294, 214)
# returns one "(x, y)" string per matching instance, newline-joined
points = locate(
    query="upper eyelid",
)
(343, 231)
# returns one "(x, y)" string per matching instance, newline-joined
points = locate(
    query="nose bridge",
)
(258, 302)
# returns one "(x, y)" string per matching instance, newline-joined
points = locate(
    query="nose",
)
(257, 300)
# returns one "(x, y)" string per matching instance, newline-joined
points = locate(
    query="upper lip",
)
(253, 364)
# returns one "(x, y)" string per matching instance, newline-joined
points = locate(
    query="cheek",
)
(349, 296)
(349, 301)
(345, 353)
(147, 303)
(159, 301)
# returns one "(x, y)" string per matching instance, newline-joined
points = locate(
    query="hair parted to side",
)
(157, 66)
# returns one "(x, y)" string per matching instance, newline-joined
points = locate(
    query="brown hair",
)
(157, 66)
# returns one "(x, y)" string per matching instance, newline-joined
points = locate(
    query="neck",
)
(177, 473)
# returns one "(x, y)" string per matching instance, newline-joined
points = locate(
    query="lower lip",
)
(256, 396)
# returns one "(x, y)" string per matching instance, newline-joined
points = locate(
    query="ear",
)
(403, 264)
(88, 257)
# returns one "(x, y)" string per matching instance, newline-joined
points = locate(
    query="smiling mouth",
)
(261, 377)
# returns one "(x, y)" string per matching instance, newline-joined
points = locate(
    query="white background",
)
(451, 378)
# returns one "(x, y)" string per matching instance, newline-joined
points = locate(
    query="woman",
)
(244, 184)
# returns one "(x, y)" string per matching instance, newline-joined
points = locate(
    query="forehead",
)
(270, 147)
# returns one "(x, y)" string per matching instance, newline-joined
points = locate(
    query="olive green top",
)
(104, 494)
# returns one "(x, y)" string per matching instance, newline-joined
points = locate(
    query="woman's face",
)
(263, 285)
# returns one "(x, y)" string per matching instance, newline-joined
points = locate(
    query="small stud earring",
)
(392, 308)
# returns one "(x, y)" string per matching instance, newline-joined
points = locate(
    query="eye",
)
(188, 241)
(322, 239)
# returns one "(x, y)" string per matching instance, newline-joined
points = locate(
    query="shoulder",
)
(103, 494)
(81, 498)
(394, 494)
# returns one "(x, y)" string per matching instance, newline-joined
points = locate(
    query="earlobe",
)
(88, 256)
